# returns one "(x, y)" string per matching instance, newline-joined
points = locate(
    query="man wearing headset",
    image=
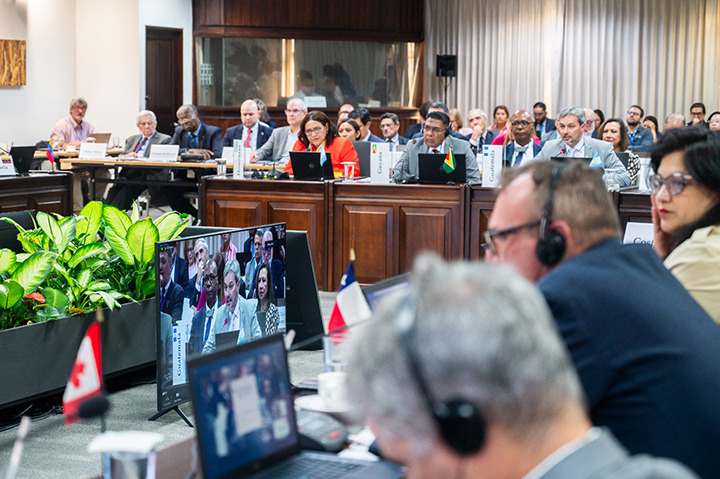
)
(644, 350)
(435, 139)
(450, 393)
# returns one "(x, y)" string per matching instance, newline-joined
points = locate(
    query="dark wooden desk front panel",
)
(51, 193)
(635, 207)
(243, 203)
(388, 225)
(481, 203)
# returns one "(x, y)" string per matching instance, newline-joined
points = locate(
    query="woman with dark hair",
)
(349, 129)
(714, 121)
(263, 113)
(615, 132)
(599, 118)
(500, 117)
(266, 303)
(686, 211)
(317, 133)
(651, 123)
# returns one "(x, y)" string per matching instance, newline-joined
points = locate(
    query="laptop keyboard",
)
(311, 467)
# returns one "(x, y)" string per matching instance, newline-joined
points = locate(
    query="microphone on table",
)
(274, 173)
(94, 407)
(17, 449)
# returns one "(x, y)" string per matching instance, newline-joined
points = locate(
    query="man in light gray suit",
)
(503, 401)
(283, 139)
(237, 314)
(435, 139)
(573, 144)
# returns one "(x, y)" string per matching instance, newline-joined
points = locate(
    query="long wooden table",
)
(386, 225)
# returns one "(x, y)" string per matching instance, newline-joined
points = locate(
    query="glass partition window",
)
(325, 73)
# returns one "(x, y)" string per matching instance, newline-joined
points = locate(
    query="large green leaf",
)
(84, 277)
(67, 225)
(27, 240)
(170, 225)
(33, 271)
(142, 237)
(7, 260)
(14, 223)
(120, 247)
(116, 220)
(135, 213)
(88, 251)
(51, 228)
(55, 298)
(89, 222)
(10, 293)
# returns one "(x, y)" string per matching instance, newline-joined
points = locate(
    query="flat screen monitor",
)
(375, 293)
(214, 290)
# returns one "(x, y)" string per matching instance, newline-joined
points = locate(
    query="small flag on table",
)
(449, 163)
(350, 304)
(50, 154)
(86, 377)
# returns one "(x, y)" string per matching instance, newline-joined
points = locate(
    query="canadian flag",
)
(86, 376)
(350, 304)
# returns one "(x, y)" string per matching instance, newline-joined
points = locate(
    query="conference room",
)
(170, 88)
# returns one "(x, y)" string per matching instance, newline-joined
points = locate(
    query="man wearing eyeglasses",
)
(282, 139)
(436, 139)
(573, 144)
(641, 138)
(697, 115)
(523, 149)
(645, 351)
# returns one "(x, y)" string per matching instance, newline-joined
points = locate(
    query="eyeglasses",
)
(633, 113)
(518, 124)
(211, 277)
(432, 129)
(293, 111)
(187, 120)
(492, 235)
(697, 113)
(314, 131)
(675, 183)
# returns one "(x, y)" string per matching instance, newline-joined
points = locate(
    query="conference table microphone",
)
(94, 407)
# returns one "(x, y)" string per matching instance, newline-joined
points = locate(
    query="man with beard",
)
(641, 138)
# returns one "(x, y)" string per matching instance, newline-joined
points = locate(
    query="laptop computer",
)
(565, 159)
(306, 166)
(102, 138)
(246, 423)
(623, 156)
(24, 158)
(430, 169)
(375, 292)
(363, 152)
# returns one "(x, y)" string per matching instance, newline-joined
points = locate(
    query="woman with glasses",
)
(686, 211)
(615, 132)
(714, 121)
(317, 133)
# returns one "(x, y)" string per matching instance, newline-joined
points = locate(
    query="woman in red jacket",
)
(317, 133)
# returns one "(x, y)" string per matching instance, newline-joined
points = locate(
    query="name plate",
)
(639, 233)
(315, 101)
(227, 154)
(492, 161)
(380, 163)
(92, 150)
(6, 166)
(164, 152)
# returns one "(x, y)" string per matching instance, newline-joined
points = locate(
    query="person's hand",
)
(207, 154)
(478, 130)
(253, 158)
(661, 244)
(696, 120)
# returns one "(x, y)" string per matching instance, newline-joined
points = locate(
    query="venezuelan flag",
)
(50, 154)
(449, 164)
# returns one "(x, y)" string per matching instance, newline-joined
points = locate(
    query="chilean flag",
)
(86, 377)
(350, 303)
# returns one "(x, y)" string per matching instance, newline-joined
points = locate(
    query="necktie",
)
(518, 158)
(141, 144)
(162, 298)
(207, 325)
(435, 150)
(193, 140)
(247, 140)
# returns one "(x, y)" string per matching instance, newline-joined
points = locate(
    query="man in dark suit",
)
(362, 115)
(390, 126)
(180, 270)
(543, 124)
(194, 137)
(645, 351)
(252, 134)
(523, 149)
(477, 119)
(416, 128)
(171, 294)
(435, 139)
(443, 108)
(515, 404)
(137, 146)
(202, 322)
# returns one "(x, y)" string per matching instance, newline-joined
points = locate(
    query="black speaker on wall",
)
(446, 65)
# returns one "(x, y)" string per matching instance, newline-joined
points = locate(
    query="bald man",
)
(251, 132)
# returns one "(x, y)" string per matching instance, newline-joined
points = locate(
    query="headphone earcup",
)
(462, 425)
(551, 249)
(447, 132)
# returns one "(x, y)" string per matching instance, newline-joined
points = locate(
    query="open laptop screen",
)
(243, 408)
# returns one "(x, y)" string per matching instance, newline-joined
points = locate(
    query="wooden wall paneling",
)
(481, 204)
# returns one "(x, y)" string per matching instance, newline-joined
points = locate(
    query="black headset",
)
(551, 243)
(460, 423)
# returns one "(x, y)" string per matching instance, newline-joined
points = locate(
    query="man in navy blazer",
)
(477, 119)
(646, 352)
(363, 116)
(543, 124)
(251, 132)
(523, 149)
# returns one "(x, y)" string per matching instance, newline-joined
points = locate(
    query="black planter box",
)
(37, 358)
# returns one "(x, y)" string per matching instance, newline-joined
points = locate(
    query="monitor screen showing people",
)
(214, 291)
